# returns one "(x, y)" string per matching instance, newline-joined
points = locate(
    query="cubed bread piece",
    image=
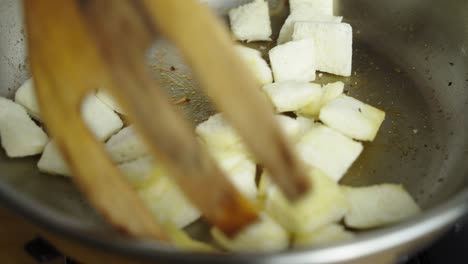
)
(329, 92)
(290, 127)
(239, 169)
(333, 45)
(303, 14)
(139, 171)
(326, 235)
(126, 146)
(266, 235)
(243, 177)
(378, 205)
(107, 99)
(324, 205)
(26, 96)
(101, 120)
(329, 151)
(258, 66)
(251, 22)
(352, 118)
(293, 61)
(305, 125)
(217, 133)
(19, 134)
(289, 96)
(52, 162)
(167, 202)
(322, 6)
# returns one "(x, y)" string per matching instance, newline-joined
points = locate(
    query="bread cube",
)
(255, 62)
(19, 134)
(305, 125)
(329, 92)
(352, 118)
(101, 120)
(266, 235)
(290, 127)
(333, 45)
(321, 6)
(323, 236)
(26, 96)
(139, 171)
(251, 22)
(378, 205)
(329, 151)
(325, 204)
(289, 96)
(52, 162)
(107, 99)
(239, 169)
(167, 202)
(293, 61)
(243, 177)
(305, 13)
(126, 146)
(217, 133)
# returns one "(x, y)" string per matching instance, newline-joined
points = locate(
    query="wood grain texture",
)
(66, 67)
(207, 47)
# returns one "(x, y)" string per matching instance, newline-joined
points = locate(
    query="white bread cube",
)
(19, 134)
(290, 127)
(51, 161)
(251, 22)
(293, 61)
(255, 62)
(325, 204)
(243, 177)
(333, 45)
(352, 118)
(26, 96)
(304, 13)
(217, 133)
(167, 202)
(323, 236)
(101, 120)
(329, 151)
(139, 171)
(322, 6)
(126, 146)
(239, 169)
(329, 92)
(107, 99)
(378, 205)
(289, 96)
(305, 125)
(266, 235)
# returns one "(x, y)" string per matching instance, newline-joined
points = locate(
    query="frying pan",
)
(409, 59)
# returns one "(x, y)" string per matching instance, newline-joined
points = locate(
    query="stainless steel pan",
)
(410, 59)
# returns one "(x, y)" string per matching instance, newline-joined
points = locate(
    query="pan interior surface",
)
(409, 59)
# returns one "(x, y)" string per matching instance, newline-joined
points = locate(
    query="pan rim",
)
(431, 220)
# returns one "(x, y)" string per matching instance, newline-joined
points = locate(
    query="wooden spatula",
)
(77, 46)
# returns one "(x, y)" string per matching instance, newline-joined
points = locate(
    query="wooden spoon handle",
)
(209, 50)
(122, 36)
(66, 67)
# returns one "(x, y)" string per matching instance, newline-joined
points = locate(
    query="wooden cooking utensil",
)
(76, 46)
